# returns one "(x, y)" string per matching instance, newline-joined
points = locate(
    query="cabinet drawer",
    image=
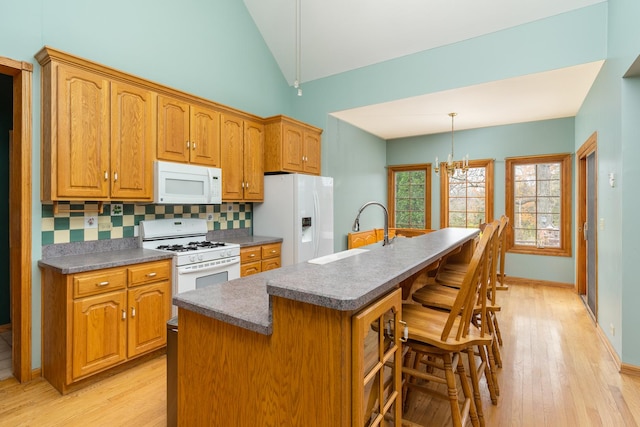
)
(250, 268)
(149, 272)
(270, 264)
(98, 282)
(271, 251)
(250, 254)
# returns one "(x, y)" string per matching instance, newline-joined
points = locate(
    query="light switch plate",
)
(104, 226)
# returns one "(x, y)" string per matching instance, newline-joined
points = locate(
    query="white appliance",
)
(180, 183)
(197, 262)
(298, 208)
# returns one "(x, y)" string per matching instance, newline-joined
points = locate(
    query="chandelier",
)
(452, 166)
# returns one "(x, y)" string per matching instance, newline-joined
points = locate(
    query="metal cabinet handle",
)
(124, 314)
(105, 283)
(405, 331)
(252, 255)
(153, 274)
(188, 144)
(115, 176)
(106, 175)
(133, 312)
(193, 147)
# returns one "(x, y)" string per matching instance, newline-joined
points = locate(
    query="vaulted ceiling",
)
(342, 35)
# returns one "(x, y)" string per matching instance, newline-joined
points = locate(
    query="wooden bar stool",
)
(442, 297)
(439, 339)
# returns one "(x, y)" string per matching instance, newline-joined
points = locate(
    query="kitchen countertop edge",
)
(71, 264)
(246, 302)
(248, 241)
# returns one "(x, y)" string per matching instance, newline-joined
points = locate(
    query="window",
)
(466, 199)
(409, 193)
(538, 201)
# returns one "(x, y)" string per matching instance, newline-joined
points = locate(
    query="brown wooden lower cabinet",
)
(254, 259)
(320, 367)
(93, 321)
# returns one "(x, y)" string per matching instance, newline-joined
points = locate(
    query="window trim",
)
(391, 191)
(488, 164)
(565, 195)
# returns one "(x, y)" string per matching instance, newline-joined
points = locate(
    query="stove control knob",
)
(228, 252)
(200, 257)
(192, 258)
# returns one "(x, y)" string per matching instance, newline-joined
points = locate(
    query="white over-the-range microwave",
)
(179, 183)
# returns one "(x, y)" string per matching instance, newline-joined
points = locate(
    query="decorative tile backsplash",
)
(118, 220)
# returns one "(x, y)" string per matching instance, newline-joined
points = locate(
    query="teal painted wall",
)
(612, 110)
(543, 137)
(6, 124)
(356, 159)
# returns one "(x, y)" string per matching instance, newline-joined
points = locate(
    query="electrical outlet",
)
(229, 207)
(210, 217)
(104, 226)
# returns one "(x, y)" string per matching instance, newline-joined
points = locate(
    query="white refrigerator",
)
(298, 208)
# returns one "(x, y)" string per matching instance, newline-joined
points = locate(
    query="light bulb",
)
(299, 91)
(296, 84)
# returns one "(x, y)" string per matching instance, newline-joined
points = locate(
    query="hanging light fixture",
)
(296, 83)
(453, 165)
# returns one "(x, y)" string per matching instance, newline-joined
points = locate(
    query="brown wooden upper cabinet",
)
(98, 134)
(188, 133)
(291, 146)
(242, 152)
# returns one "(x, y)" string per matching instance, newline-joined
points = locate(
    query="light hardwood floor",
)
(556, 373)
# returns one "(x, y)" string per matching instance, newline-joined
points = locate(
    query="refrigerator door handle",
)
(316, 214)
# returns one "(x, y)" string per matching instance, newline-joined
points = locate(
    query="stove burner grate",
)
(191, 246)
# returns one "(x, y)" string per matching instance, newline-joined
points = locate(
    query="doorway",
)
(6, 126)
(19, 203)
(587, 254)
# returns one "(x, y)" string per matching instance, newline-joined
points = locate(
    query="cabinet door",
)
(132, 139)
(377, 364)
(149, 309)
(253, 161)
(231, 150)
(292, 148)
(83, 135)
(99, 328)
(205, 136)
(173, 129)
(312, 153)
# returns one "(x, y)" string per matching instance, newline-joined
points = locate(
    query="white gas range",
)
(197, 262)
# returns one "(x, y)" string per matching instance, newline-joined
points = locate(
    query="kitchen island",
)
(285, 347)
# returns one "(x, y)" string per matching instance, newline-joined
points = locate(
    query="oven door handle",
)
(220, 267)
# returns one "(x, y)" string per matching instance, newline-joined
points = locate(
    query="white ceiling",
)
(342, 35)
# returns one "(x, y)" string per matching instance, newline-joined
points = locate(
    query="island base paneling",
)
(299, 375)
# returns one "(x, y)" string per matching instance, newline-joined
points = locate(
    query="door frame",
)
(590, 146)
(20, 192)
